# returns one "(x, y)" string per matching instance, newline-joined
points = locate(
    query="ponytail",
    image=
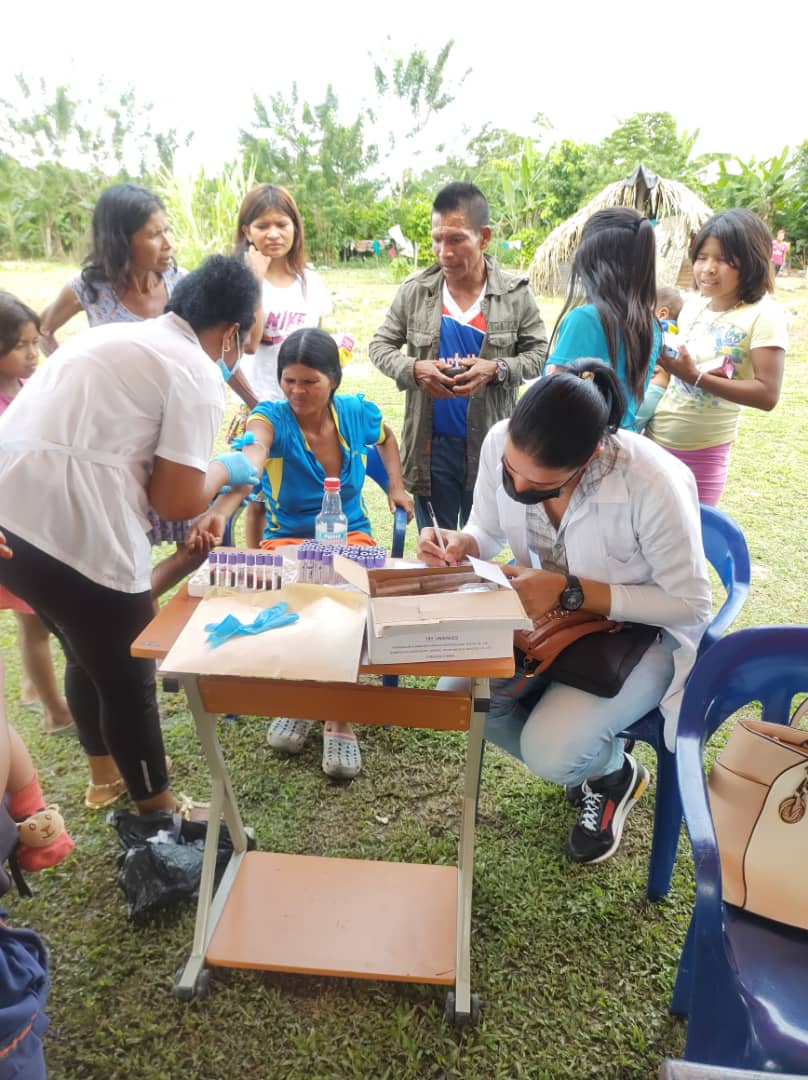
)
(614, 269)
(562, 418)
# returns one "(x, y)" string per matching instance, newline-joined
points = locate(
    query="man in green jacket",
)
(472, 333)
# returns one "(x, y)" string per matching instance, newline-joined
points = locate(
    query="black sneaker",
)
(605, 805)
(574, 794)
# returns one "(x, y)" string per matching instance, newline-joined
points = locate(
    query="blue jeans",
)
(565, 735)
(450, 498)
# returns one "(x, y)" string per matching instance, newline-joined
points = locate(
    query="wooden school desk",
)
(322, 916)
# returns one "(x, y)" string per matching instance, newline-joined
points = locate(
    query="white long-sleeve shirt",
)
(638, 531)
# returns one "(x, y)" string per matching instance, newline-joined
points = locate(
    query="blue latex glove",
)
(247, 439)
(269, 619)
(240, 470)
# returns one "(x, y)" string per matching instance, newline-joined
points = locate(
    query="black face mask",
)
(530, 497)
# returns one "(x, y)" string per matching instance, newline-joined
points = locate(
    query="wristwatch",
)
(502, 372)
(572, 597)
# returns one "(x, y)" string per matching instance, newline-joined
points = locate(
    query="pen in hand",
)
(436, 528)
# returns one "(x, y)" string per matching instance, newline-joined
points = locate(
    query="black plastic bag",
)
(161, 861)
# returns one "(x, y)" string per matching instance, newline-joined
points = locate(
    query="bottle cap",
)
(332, 483)
(232, 559)
(213, 558)
(250, 559)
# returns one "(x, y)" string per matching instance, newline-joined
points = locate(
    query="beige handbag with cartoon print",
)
(759, 797)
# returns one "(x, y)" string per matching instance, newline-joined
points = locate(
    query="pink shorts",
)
(709, 466)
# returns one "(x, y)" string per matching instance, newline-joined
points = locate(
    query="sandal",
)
(341, 757)
(287, 734)
(64, 729)
(100, 796)
(190, 809)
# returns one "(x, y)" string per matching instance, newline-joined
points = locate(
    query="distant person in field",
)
(460, 338)
(780, 250)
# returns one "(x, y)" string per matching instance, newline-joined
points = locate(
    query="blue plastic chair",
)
(743, 980)
(376, 471)
(726, 551)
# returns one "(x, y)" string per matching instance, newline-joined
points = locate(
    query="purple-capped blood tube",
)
(250, 570)
(328, 568)
(277, 571)
(232, 570)
(213, 567)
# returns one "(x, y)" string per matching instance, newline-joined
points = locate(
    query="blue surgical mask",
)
(229, 372)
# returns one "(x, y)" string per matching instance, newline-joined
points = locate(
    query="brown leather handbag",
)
(580, 649)
(758, 789)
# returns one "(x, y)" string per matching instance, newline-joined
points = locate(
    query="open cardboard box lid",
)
(429, 596)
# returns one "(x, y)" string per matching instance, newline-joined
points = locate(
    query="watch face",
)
(572, 598)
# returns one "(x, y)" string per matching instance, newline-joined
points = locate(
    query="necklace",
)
(720, 314)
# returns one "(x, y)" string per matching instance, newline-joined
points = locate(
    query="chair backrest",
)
(375, 467)
(768, 664)
(727, 552)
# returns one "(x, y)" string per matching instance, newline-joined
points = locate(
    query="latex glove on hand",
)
(240, 470)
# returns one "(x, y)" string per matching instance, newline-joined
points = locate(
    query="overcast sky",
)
(583, 65)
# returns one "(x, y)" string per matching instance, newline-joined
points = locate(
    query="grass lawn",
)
(574, 967)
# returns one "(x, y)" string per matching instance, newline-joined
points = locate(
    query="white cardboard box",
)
(417, 614)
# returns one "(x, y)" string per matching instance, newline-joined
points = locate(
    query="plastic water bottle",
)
(331, 524)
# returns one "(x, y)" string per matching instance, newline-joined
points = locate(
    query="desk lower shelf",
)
(346, 917)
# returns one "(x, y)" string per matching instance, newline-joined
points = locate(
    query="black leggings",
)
(111, 694)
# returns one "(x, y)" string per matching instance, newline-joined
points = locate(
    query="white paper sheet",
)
(490, 572)
(325, 644)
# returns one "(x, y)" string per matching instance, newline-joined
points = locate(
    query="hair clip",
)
(587, 374)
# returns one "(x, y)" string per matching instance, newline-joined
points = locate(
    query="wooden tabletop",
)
(155, 640)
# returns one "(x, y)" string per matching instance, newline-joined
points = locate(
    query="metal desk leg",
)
(192, 980)
(463, 1007)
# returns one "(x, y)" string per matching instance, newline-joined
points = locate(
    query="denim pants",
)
(450, 498)
(565, 735)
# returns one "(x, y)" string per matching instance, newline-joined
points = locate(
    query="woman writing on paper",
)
(598, 519)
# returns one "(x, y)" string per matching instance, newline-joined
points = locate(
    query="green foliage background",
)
(57, 153)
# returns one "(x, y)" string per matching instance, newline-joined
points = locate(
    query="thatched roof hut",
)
(679, 214)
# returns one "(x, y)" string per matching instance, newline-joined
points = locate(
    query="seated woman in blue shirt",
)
(313, 434)
(614, 271)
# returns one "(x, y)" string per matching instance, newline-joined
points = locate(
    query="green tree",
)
(416, 87)
(58, 152)
(649, 139)
(792, 215)
(324, 162)
(762, 186)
